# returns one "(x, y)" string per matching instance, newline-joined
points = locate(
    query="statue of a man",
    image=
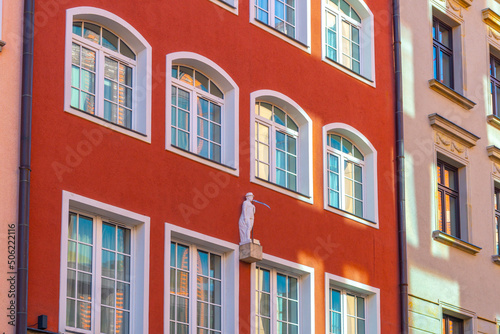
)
(246, 219)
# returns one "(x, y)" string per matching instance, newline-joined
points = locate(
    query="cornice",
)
(494, 121)
(451, 94)
(491, 18)
(494, 153)
(458, 133)
(464, 3)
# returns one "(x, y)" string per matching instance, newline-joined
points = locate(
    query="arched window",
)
(281, 155)
(197, 113)
(202, 112)
(345, 175)
(103, 70)
(350, 181)
(275, 146)
(348, 35)
(106, 72)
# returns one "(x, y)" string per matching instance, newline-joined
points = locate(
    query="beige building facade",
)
(451, 55)
(10, 106)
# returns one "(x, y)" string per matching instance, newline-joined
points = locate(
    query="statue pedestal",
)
(251, 252)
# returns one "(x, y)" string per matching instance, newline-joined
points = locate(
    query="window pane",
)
(85, 230)
(215, 266)
(293, 311)
(333, 199)
(77, 28)
(71, 284)
(109, 40)
(446, 62)
(84, 287)
(265, 110)
(202, 314)
(108, 236)
(70, 312)
(215, 292)
(107, 320)
(345, 8)
(279, 116)
(122, 322)
(123, 267)
(83, 315)
(280, 141)
(360, 304)
(335, 323)
(264, 304)
(125, 75)
(92, 32)
(108, 264)
(263, 280)
(126, 51)
(263, 134)
(444, 35)
(202, 288)
(202, 263)
(292, 288)
(335, 300)
(71, 254)
(183, 309)
(215, 317)
(108, 292)
(123, 240)
(201, 81)
(85, 258)
(281, 285)
(186, 75)
(351, 305)
(214, 90)
(123, 295)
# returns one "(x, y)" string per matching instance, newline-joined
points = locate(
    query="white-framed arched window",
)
(202, 111)
(348, 36)
(281, 144)
(107, 63)
(350, 180)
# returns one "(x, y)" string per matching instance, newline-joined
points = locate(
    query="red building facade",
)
(158, 118)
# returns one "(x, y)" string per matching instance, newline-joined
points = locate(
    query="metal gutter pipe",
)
(24, 168)
(400, 169)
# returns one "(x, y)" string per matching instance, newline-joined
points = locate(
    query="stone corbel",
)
(492, 19)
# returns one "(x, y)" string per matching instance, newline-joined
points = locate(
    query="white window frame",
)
(230, 275)
(141, 114)
(229, 5)
(305, 277)
(304, 144)
(140, 227)
(371, 295)
(469, 317)
(366, 36)
(230, 113)
(302, 38)
(370, 174)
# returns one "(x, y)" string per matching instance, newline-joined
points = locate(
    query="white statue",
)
(246, 219)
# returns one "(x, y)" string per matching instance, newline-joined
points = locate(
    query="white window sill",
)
(208, 162)
(291, 193)
(351, 216)
(304, 47)
(349, 72)
(226, 6)
(451, 94)
(109, 125)
(494, 121)
(455, 242)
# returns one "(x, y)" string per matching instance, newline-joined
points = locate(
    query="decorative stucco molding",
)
(455, 242)
(494, 154)
(491, 18)
(464, 3)
(494, 120)
(449, 133)
(451, 94)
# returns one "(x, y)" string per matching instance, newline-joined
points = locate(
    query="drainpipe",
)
(400, 169)
(24, 168)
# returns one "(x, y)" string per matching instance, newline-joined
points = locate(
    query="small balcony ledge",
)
(455, 242)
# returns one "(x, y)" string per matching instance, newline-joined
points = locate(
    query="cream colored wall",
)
(10, 89)
(440, 275)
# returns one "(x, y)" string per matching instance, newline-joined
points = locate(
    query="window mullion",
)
(96, 305)
(99, 94)
(343, 308)
(193, 121)
(274, 304)
(272, 153)
(341, 182)
(192, 290)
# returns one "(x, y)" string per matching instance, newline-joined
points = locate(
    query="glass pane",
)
(110, 69)
(263, 280)
(281, 285)
(215, 132)
(87, 82)
(123, 240)
(280, 141)
(84, 287)
(351, 304)
(292, 288)
(291, 182)
(358, 208)
(215, 292)
(282, 309)
(282, 328)
(186, 75)
(87, 102)
(333, 181)
(293, 312)
(88, 59)
(107, 320)
(109, 40)
(203, 108)
(110, 90)
(335, 323)
(183, 309)
(446, 62)
(202, 263)
(122, 322)
(182, 283)
(263, 134)
(85, 230)
(75, 97)
(333, 163)
(85, 258)
(108, 236)
(75, 54)
(108, 264)
(215, 317)
(108, 292)
(182, 257)
(345, 8)
(445, 35)
(92, 32)
(335, 300)
(358, 154)
(351, 325)
(123, 295)
(83, 315)
(215, 266)
(110, 111)
(281, 178)
(123, 267)
(264, 304)
(183, 100)
(280, 159)
(71, 284)
(126, 51)
(361, 326)
(77, 28)
(358, 191)
(202, 288)
(201, 81)
(334, 141)
(202, 310)
(279, 116)
(360, 303)
(72, 254)
(265, 110)
(214, 90)
(70, 312)
(125, 75)
(355, 16)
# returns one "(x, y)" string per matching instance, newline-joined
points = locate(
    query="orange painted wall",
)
(146, 179)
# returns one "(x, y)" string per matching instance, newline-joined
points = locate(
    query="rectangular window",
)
(452, 325)
(495, 84)
(347, 312)
(99, 285)
(195, 290)
(279, 14)
(442, 52)
(448, 199)
(496, 199)
(277, 302)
